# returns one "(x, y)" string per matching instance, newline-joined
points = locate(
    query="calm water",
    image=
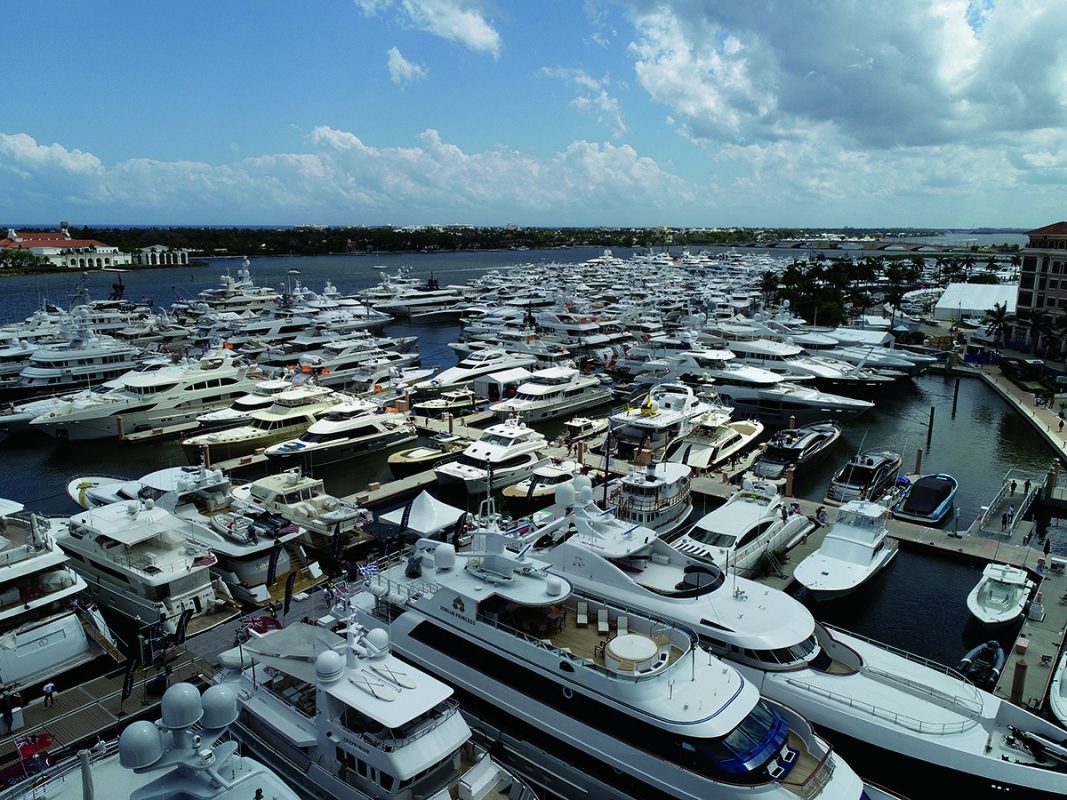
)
(919, 603)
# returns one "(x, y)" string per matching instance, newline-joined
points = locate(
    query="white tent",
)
(428, 515)
(962, 300)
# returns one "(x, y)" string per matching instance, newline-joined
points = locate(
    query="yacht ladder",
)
(774, 565)
(95, 634)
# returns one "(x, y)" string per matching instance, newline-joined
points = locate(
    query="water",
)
(918, 604)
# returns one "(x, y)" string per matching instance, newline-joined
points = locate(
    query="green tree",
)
(997, 320)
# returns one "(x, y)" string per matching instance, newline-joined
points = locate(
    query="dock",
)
(95, 708)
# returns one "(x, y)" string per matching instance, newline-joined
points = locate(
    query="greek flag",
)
(368, 569)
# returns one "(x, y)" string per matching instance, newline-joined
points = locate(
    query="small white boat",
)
(856, 548)
(1057, 692)
(540, 487)
(1000, 596)
(577, 428)
(442, 447)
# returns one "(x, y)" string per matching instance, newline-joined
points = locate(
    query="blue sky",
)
(937, 113)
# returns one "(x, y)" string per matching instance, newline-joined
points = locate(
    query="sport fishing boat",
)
(909, 722)
(1000, 595)
(928, 500)
(342, 717)
(597, 699)
(856, 548)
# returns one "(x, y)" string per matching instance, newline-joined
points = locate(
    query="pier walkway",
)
(1045, 420)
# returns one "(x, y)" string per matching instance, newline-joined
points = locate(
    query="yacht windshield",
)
(855, 475)
(712, 538)
(746, 752)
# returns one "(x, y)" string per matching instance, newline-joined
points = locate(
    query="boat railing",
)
(43, 784)
(926, 662)
(389, 744)
(813, 785)
(922, 726)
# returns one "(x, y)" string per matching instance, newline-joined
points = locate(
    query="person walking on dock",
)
(1012, 487)
(1026, 487)
(1011, 513)
(1004, 521)
(49, 690)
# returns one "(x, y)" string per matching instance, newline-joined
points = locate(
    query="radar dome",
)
(565, 493)
(554, 586)
(582, 482)
(220, 707)
(181, 706)
(747, 484)
(585, 495)
(329, 666)
(140, 745)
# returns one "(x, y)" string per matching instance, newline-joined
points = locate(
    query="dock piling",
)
(918, 461)
(1018, 681)
(788, 490)
(955, 397)
(930, 427)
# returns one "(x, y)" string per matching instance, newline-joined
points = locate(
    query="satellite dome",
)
(565, 493)
(747, 484)
(181, 706)
(329, 666)
(378, 638)
(140, 745)
(582, 482)
(220, 707)
(444, 557)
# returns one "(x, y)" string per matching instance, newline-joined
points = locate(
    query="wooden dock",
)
(95, 708)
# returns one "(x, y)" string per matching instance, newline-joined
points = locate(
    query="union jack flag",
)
(292, 527)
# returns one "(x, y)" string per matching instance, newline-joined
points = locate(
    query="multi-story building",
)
(61, 249)
(1042, 278)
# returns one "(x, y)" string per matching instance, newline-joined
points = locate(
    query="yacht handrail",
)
(42, 784)
(941, 728)
(448, 708)
(905, 654)
(972, 706)
(817, 780)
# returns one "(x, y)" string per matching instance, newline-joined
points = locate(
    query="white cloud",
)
(402, 71)
(23, 153)
(461, 21)
(340, 178)
(592, 97)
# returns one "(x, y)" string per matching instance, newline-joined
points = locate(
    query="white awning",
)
(428, 515)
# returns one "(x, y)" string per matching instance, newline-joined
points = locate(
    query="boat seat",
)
(581, 618)
(622, 625)
(602, 625)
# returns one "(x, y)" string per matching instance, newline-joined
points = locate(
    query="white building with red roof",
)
(60, 248)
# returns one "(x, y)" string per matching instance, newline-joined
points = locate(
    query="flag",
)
(368, 570)
(272, 565)
(290, 582)
(458, 529)
(183, 623)
(205, 560)
(285, 530)
(406, 516)
(336, 550)
(131, 668)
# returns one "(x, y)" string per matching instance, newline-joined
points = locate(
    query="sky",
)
(689, 113)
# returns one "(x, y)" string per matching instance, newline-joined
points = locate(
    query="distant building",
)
(963, 300)
(1042, 277)
(62, 250)
(161, 255)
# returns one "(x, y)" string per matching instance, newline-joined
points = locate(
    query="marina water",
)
(918, 604)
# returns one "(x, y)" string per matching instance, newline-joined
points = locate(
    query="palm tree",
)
(1040, 324)
(1059, 324)
(997, 319)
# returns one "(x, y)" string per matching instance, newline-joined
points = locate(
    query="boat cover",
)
(927, 494)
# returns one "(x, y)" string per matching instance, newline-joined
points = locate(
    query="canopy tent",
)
(427, 515)
(963, 300)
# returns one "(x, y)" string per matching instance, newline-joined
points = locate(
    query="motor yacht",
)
(791, 361)
(452, 401)
(581, 428)
(260, 398)
(927, 500)
(187, 753)
(171, 396)
(540, 488)
(140, 561)
(482, 362)
(598, 699)
(753, 523)
(668, 413)
(1000, 596)
(348, 430)
(342, 717)
(883, 707)
(504, 454)
(869, 475)
(717, 440)
(1057, 691)
(441, 447)
(656, 496)
(856, 548)
(237, 295)
(331, 526)
(48, 625)
(798, 448)
(552, 392)
(291, 413)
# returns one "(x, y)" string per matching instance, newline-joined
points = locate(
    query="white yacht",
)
(44, 628)
(1057, 691)
(856, 548)
(791, 361)
(260, 398)
(331, 525)
(588, 697)
(452, 401)
(798, 448)
(656, 496)
(345, 719)
(165, 397)
(669, 412)
(754, 522)
(237, 295)
(868, 475)
(188, 753)
(540, 487)
(1000, 596)
(348, 430)
(553, 392)
(477, 364)
(504, 454)
(716, 440)
(885, 707)
(139, 560)
(291, 413)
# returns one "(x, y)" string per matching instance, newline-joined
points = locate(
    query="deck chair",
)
(581, 617)
(622, 625)
(602, 621)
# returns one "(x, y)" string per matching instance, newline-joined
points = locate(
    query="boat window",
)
(756, 532)
(855, 475)
(711, 538)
